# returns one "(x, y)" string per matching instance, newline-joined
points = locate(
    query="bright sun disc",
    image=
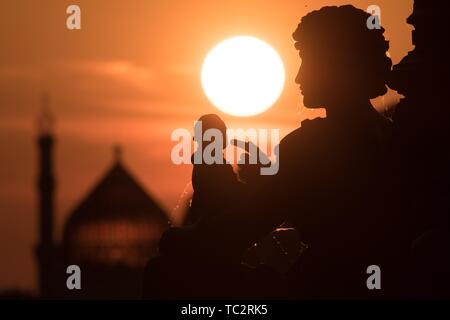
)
(243, 76)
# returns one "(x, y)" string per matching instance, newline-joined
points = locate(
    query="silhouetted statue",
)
(334, 180)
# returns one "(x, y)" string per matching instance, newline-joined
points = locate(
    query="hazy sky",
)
(129, 76)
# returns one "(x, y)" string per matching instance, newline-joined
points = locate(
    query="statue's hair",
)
(341, 34)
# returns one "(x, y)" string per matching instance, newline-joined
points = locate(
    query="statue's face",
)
(323, 79)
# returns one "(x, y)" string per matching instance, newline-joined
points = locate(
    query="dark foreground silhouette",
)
(421, 138)
(341, 184)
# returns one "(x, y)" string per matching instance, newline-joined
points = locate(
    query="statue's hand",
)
(250, 162)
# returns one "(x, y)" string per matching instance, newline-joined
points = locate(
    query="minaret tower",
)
(46, 185)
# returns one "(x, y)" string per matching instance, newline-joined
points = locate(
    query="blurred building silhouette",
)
(111, 234)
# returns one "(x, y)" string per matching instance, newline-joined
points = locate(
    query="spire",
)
(45, 119)
(117, 152)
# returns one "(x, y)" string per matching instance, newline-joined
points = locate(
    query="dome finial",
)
(118, 151)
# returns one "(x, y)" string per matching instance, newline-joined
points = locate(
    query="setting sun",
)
(243, 76)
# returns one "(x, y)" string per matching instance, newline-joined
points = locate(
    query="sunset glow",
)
(243, 76)
(135, 72)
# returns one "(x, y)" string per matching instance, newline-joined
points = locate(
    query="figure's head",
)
(212, 121)
(342, 59)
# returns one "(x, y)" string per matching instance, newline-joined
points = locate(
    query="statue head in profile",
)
(342, 60)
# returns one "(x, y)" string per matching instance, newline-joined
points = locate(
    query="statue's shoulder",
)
(305, 133)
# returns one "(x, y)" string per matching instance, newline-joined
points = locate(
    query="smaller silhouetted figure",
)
(216, 188)
(215, 184)
(189, 274)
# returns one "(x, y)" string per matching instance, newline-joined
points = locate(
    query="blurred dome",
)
(118, 223)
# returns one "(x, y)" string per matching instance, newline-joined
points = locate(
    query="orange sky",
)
(129, 76)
